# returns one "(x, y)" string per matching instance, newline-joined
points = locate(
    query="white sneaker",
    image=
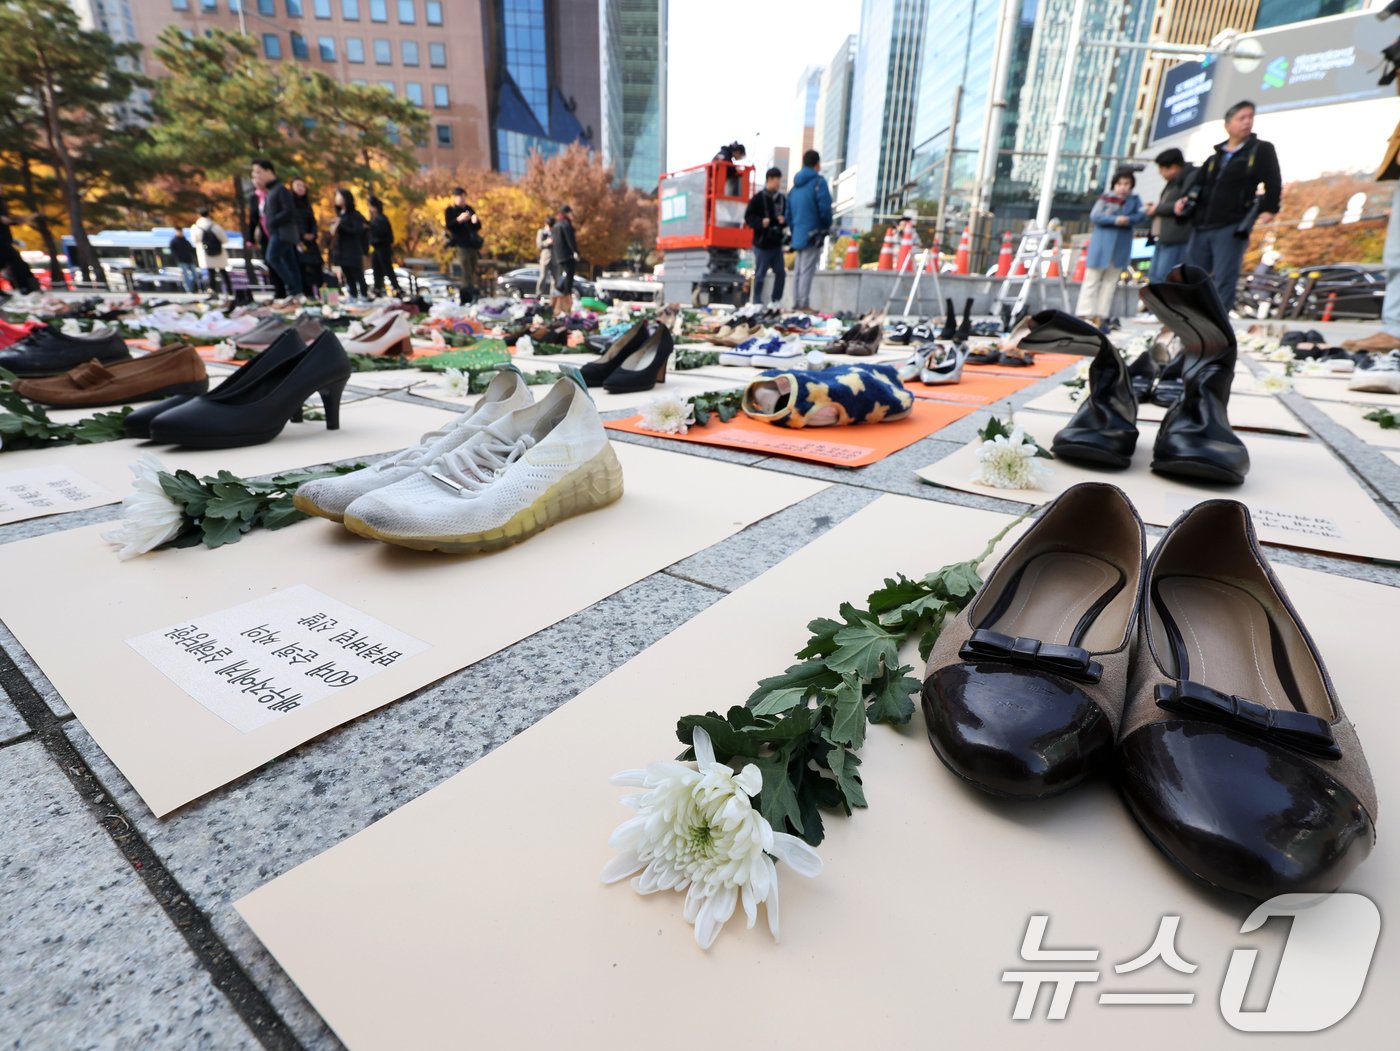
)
(529, 469)
(329, 497)
(1383, 377)
(788, 354)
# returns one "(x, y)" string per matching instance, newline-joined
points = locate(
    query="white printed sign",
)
(255, 663)
(1276, 525)
(47, 491)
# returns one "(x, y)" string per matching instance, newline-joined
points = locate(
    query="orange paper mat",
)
(973, 389)
(853, 446)
(1046, 364)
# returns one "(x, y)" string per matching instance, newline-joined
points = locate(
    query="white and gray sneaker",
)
(1383, 377)
(329, 497)
(526, 471)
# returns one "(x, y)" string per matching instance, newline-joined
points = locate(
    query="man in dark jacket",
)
(464, 235)
(381, 249)
(183, 253)
(766, 215)
(277, 216)
(1226, 208)
(1172, 232)
(565, 260)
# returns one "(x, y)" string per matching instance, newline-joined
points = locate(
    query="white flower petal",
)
(704, 750)
(797, 854)
(620, 867)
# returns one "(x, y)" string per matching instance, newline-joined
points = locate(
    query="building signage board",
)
(1185, 92)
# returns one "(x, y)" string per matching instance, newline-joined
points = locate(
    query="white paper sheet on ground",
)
(75, 415)
(174, 750)
(682, 383)
(368, 427)
(1266, 414)
(1301, 495)
(53, 490)
(391, 379)
(456, 918)
(1324, 388)
(1353, 418)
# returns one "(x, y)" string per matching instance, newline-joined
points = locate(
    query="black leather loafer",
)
(49, 352)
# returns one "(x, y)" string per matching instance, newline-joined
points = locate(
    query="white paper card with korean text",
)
(41, 491)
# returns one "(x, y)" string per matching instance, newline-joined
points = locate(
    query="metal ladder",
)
(918, 262)
(1010, 302)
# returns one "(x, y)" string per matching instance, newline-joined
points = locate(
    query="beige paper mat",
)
(1301, 495)
(172, 750)
(1352, 417)
(1266, 414)
(74, 415)
(367, 428)
(1324, 388)
(475, 913)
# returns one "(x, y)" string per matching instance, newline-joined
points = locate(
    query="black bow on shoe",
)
(1069, 661)
(1296, 730)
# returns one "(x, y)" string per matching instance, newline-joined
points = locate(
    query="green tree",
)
(354, 135)
(612, 222)
(71, 89)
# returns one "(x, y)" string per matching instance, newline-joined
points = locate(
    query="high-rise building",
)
(809, 90)
(834, 107)
(498, 78)
(779, 157)
(884, 97)
(633, 80)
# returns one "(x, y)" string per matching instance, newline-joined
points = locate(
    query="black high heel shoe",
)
(598, 370)
(256, 411)
(950, 324)
(964, 332)
(645, 367)
(1195, 440)
(1103, 432)
(288, 344)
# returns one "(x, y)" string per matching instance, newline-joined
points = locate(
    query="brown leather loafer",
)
(1235, 756)
(1025, 688)
(176, 369)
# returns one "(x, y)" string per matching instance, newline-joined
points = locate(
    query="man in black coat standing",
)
(277, 217)
(464, 235)
(1228, 204)
(565, 260)
(381, 249)
(766, 215)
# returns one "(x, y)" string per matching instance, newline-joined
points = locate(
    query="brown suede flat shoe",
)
(175, 369)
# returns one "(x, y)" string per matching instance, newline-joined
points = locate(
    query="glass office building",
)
(834, 108)
(633, 75)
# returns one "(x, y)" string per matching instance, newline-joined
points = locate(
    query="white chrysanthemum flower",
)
(1281, 354)
(1275, 383)
(225, 351)
(149, 517)
(668, 414)
(1136, 346)
(1010, 463)
(455, 381)
(524, 346)
(1312, 367)
(696, 830)
(71, 327)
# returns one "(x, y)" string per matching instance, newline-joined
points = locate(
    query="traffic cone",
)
(852, 257)
(1052, 268)
(887, 252)
(1004, 256)
(1327, 310)
(1082, 265)
(933, 261)
(962, 259)
(906, 247)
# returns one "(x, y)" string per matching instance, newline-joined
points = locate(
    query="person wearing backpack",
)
(465, 238)
(211, 252)
(185, 258)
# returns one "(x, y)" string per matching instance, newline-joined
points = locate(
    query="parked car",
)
(522, 282)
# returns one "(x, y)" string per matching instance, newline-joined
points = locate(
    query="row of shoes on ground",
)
(254, 404)
(1194, 440)
(1187, 675)
(499, 473)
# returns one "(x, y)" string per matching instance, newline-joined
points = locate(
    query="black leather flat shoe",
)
(256, 410)
(1195, 440)
(1103, 431)
(1024, 690)
(595, 372)
(1235, 755)
(49, 352)
(645, 367)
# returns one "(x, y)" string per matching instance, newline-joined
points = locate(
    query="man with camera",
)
(1224, 204)
(766, 217)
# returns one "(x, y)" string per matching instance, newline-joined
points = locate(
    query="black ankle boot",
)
(965, 329)
(950, 324)
(1104, 431)
(1143, 373)
(1195, 440)
(1169, 386)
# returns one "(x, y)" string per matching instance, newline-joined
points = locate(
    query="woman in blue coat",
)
(1110, 246)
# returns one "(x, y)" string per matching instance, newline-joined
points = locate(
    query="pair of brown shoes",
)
(1188, 674)
(174, 369)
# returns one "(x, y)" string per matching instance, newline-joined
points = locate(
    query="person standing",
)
(277, 215)
(185, 258)
(381, 250)
(309, 261)
(1388, 338)
(566, 259)
(766, 215)
(22, 279)
(211, 252)
(544, 243)
(809, 215)
(1114, 215)
(255, 235)
(464, 235)
(1171, 231)
(1224, 204)
(349, 244)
